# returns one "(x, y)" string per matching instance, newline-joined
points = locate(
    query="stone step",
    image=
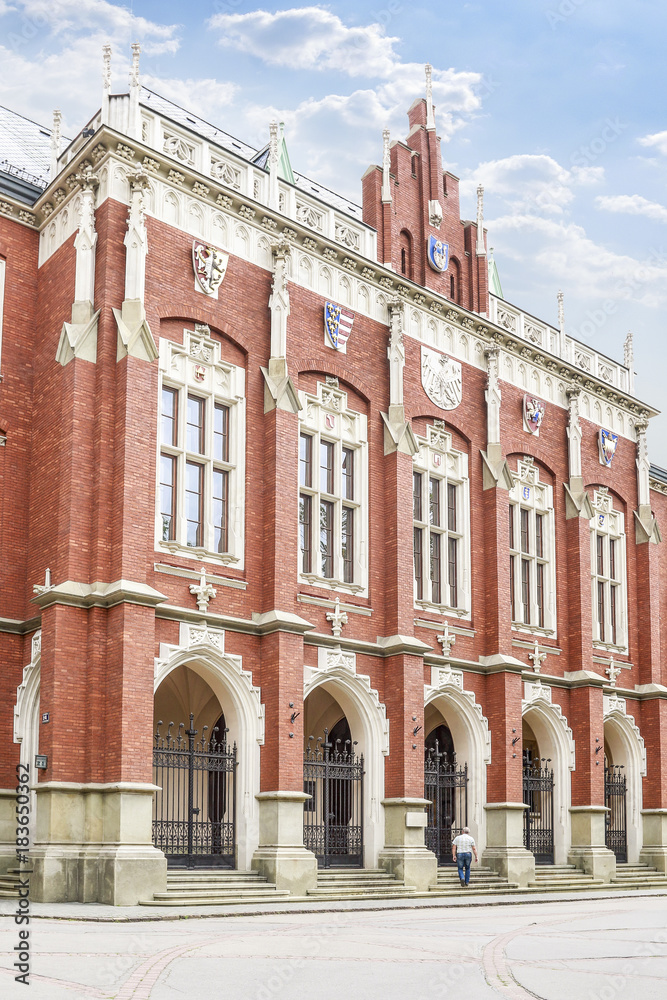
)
(213, 898)
(396, 892)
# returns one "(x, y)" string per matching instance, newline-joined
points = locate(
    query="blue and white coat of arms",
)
(607, 442)
(438, 253)
(337, 325)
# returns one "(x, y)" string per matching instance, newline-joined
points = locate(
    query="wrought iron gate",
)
(194, 811)
(333, 775)
(446, 786)
(538, 818)
(615, 788)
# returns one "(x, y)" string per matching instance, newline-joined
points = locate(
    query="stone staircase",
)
(563, 878)
(9, 884)
(358, 883)
(638, 877)
(214, 888)
(483, 881)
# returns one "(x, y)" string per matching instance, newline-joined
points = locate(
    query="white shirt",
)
(464, 843)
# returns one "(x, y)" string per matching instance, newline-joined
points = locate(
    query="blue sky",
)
(556, 106)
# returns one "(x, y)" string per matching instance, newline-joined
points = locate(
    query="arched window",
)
(532, 554)
(608, 575)
(405, 249)
(454, 280)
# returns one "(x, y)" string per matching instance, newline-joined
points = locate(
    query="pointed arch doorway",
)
(446, 787)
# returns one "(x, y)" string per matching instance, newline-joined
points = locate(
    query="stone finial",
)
(561, 323)
(537, 658)
(446, 640)
(386, 165)
(134, 123)
(629, 359)
(106, 82)
(430, 117)
(337, 618)
(203, 592)
(55, 142)
(612, 672)
(273, 165)
(134, 70)
(42, 588)
(480, 248)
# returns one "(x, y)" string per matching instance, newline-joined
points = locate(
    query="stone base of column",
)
(281, 856)
(654, 849)
(588, 850)
(93, 844)
(505, 853)
(404, 854)
(7, 830)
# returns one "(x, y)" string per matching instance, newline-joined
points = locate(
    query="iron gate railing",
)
(615, 788)
(538, 818)
(333, 775)
(195, 810)
(446, 786)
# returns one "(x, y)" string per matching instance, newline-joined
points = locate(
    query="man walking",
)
(463, 848)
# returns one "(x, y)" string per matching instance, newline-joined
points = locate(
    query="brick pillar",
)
(648, 613)
(281, 856)
(505, 852)
(491, 565)
(654, 812)
(588, 811)
(578, 605)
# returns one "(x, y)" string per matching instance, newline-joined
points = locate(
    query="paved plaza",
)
(575, 948)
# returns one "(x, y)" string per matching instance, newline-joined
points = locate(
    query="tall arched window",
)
(454, 280)
(405, 251)
(608, 573)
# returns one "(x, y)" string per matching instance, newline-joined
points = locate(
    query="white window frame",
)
(325, 416)
(196, 368)
(436, 459)
(610, 524)
(529, 493)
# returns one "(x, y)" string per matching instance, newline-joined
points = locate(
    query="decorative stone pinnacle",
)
(628, 351)
(39, 588)
(537, 658)
(134, 71)
(337, 618)
(430, 117)
(386, 165)
(612, 672)
(106, 67)
(273, 142)
(446, 640)
(480, 248)
(203, 593)
(561, 311)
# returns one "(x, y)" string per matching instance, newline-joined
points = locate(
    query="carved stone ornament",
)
(533, 414)
(607, 442)
(209, 265)
(441, 379)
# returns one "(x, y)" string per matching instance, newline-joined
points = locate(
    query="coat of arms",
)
(607, 444)
(533, 414)
(209, 265)
(337, 325)
(441, 378)
(438, 253)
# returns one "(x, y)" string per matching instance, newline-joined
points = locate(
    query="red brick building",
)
(332, 544)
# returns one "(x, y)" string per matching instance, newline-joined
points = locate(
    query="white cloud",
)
(532, 183)
(63, 16)
(632, 204)
(205, 97)
(309, 38)
(658, 139)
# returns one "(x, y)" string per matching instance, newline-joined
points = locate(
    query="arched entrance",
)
(548, 760)
(455, 719)
(446, 788)
(333, 776)
(625, 764)
(194, 765)
(27, 721)
(198, 676)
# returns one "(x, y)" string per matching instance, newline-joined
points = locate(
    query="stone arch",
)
(369, 726)
(242, 241)
(345, 291)
(202, 651)
(326, 281)
(363, 299)
(26, 717)
(555, 740)
(195, 220)
(219, 227)
(627, 748)
(172, 209)
(472, 738)
(305, 271)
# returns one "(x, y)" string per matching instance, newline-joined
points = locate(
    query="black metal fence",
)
(333, 775)
(538, 818)
(446, 786)
(194, 812)
(615, 790)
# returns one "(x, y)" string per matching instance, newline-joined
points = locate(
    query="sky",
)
(555, 106)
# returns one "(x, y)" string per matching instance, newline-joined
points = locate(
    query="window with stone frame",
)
(532, 550)
(333, 490)
(441, 524)
(201, 451)
(608, 573)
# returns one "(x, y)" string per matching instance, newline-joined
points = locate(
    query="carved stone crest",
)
(533, 414)
(209, 265)
(441, 379)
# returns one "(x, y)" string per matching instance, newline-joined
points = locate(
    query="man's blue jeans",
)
(463, 862)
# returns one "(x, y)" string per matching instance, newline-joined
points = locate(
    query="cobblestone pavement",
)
(580, 949)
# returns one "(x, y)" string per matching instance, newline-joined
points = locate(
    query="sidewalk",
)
(98, 913)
